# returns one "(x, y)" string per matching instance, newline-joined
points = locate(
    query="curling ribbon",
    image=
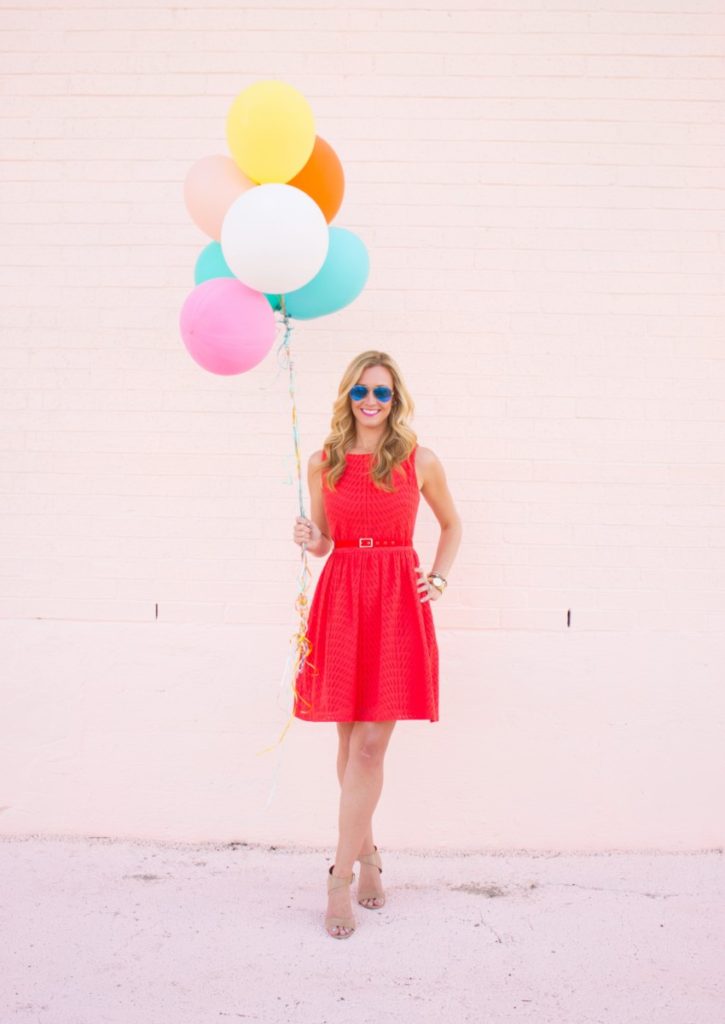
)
(301, 643)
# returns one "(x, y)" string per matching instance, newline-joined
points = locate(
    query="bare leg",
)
(362, 783)
(344, 731)
(369, 876)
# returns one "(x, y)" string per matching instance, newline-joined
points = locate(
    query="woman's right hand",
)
(306, 532)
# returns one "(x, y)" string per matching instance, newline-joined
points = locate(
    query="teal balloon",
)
(338, 283)
(211, 263)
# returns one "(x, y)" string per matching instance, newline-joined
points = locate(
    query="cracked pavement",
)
(103, 930)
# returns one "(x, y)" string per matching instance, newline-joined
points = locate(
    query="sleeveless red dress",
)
(374, 654)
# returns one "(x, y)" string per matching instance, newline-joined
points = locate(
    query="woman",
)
(374, 656)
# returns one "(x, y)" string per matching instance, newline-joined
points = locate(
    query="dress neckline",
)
(369, 453)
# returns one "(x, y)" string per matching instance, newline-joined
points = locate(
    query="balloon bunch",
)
(268, 209)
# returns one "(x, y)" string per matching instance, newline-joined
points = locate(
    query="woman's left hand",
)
(425, 587)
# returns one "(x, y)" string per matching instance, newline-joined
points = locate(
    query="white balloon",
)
(274, 238)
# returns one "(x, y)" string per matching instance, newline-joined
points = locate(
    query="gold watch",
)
(438, 581)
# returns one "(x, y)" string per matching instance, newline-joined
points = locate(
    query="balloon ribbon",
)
(299, 640)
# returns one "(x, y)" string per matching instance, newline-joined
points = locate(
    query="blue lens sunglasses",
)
(359, 391)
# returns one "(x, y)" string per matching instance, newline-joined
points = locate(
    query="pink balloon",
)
(210, 188)
(227, 327)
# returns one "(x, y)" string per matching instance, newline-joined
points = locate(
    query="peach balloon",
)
(322, 178)
(210, 188)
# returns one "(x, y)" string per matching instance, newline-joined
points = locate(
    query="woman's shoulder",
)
(426, 464)
(424, 456)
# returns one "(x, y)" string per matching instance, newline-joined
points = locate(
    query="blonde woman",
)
(374, 656)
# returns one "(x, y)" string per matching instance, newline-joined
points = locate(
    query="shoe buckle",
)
(365, 542)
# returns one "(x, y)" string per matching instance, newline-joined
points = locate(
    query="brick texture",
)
(542, 192)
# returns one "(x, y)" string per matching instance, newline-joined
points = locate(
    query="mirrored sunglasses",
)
(359, 391)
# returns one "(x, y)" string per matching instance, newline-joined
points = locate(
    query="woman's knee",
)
(369, 741)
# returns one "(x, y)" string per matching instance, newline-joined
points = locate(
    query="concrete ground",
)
(97, 930)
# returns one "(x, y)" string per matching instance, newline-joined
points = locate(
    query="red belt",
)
(369, 542)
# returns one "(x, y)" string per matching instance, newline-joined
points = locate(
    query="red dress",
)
(374, 648)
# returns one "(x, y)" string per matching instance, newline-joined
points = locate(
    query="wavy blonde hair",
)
(398, 441)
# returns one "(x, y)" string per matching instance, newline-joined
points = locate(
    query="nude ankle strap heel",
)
(334, 882)
(375, 861)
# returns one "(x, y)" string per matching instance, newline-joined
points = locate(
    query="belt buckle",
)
(365, 542)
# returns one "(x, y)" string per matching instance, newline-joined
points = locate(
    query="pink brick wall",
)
(541, 189)
(542, 192)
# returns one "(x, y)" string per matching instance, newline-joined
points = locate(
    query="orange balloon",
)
(322, 178)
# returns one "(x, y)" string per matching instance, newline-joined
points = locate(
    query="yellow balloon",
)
(270, 131)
